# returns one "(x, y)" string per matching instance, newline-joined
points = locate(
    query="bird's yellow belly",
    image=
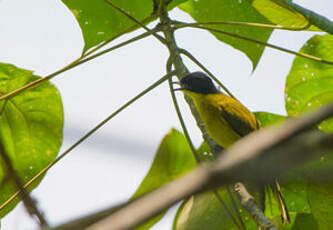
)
(218, 129)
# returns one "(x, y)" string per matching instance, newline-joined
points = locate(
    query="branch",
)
(257, 153)
(178, 64)
(248, 202)
(316, 19)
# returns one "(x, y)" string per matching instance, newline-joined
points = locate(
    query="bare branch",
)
(254, 158)
(250, 205)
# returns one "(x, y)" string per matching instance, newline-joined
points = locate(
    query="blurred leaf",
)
(304, 221)
(173, 159)
(280, 13)
(309, 83)
(268, 119)
(321, 203)
(232, 10)
(204, 211)
(31, 126)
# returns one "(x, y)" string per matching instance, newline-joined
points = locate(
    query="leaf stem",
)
(180, 117)
(43, 171)
(71, 66)
(178, 25)
(308, 56)
(198, 63)
(161, 39)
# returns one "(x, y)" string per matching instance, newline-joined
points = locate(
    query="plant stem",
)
(71, 66)
(43, 171)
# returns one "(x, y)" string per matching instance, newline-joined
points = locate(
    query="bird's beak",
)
(177, 83)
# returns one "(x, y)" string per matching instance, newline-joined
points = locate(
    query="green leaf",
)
(280, 13)
(321, 203)
(100, 22)
(232, 10)
(309, 83)
(268, 119)
(31, 126)
(173, 159)
(204, 211)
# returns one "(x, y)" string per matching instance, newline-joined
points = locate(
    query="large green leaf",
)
(280, 13)
(309, 83)
(31, 126)
(99, 21)
(173, 159)
(232, 10)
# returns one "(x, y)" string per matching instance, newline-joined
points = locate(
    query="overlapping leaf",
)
(309, 83)
(232, 10)
(31, 126)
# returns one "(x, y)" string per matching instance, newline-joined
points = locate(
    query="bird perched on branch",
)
(225, 119)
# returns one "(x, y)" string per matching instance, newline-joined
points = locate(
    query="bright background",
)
(42, 35)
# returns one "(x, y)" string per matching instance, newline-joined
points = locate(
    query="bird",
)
(226, 120)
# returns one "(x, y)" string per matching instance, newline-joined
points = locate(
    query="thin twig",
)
(161, 39)
(71, 66)
(180, 117)
(232, 23)
(43, 171)
(28, 201)
(250, 205)
(304, 55)
(198, 63)
(256, 153)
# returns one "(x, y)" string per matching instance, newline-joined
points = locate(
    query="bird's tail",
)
(282, 203)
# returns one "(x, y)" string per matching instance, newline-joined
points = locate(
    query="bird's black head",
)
(198, 82)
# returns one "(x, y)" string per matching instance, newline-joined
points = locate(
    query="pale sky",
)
(43, 36)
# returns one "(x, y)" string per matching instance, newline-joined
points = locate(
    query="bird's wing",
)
(240, 119)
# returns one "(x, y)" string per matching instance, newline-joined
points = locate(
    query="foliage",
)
(31, 122)
(31, 127)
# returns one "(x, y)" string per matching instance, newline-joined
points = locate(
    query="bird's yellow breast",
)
(210, 109)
